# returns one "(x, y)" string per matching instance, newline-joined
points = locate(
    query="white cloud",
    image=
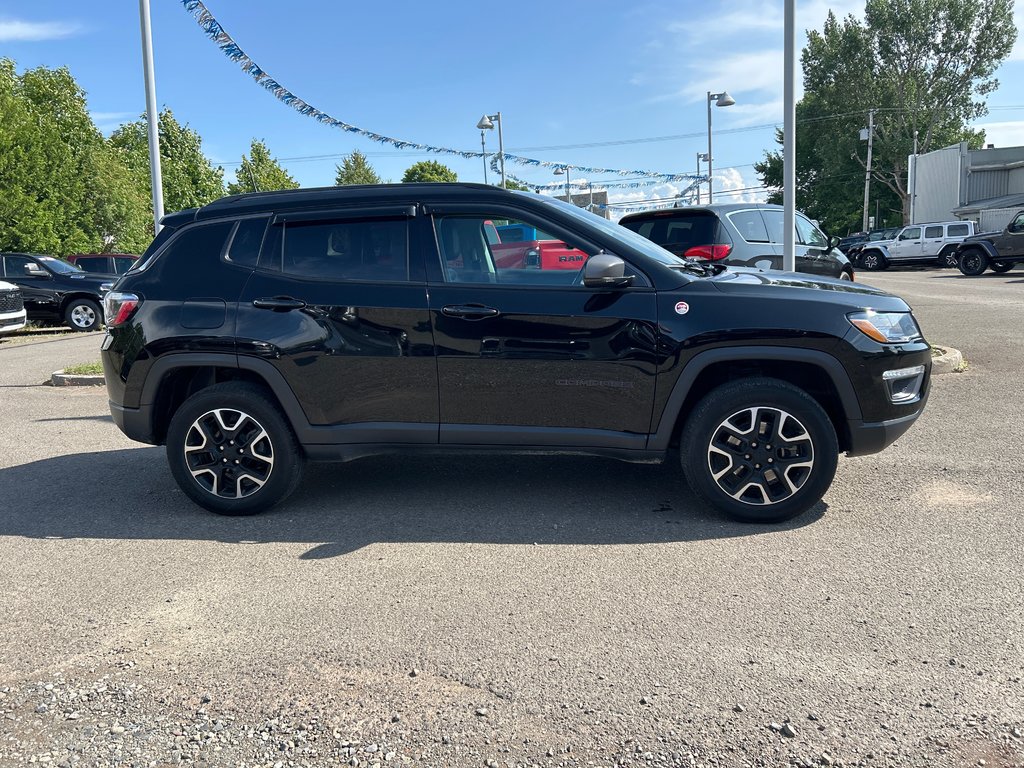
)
(1017, 54)
(731, 186)
(17, 31)
(1007, 133)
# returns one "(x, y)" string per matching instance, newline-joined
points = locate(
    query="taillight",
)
(532, 259)
(708, 252)
(118, 307)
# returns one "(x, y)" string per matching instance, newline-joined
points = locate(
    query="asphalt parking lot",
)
(523, 610)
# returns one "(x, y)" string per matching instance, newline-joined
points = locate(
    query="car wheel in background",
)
(231, 450)
(948, 258)
(83, 315)
(873, 260)
(1000, 268)
(973, 262)
(760, 450)
(846, 274)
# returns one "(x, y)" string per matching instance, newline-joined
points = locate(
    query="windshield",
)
(58, 266)
(638, 242)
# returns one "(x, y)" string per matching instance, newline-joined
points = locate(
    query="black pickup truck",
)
(57, 292)
(998, 251)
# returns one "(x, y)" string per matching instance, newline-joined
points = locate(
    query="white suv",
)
(12, 308)
(918, 244)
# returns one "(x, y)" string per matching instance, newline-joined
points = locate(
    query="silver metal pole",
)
(568, 192)
(867, 169)
(501, 151)
(711, 198)
(698, 173)
(483, 151)
(789, 140)
(152, 116)
(913, 183)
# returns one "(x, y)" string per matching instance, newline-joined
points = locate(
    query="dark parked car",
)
(104, 263)
(996, 250)
(740, 235)
(262, 330)
(57, 292)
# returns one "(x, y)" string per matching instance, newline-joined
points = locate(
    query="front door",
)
(529, 356)
(36, 287)
(1011, 242)
(907, 245)
(338, 304)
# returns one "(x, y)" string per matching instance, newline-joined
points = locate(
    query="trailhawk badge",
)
(682, 308)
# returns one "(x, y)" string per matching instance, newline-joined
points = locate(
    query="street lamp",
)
(486, 124)
(558, 172)
(483, 151)
(722, 99)
(702, 157)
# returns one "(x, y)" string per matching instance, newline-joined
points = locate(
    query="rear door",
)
(338, 304)
(531, 356)
(932, 239)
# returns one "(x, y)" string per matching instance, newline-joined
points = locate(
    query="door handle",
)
(469, 311)
(279, 303)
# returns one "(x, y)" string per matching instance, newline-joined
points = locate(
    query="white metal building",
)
(985, 185)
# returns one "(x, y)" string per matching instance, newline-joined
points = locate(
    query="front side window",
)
(1017, 225)
(15, 265)
(810, 234)
(913, 233)
(375, 250)
(469, 255)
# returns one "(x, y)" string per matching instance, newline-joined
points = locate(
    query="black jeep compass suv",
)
(263, 330)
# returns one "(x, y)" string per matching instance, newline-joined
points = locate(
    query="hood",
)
(982, 236)
(796, 286)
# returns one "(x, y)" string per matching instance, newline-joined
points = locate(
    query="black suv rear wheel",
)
(231, 450)
(761, 450)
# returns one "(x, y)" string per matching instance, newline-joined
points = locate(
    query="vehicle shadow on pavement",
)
(340, 508)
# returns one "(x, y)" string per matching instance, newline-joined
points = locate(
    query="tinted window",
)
(469, 257)
(374, 249)
(773, 220)
(750, 226)
(933, 232)
(1017, 225)
(15, 265)
(958, 230)
(192, 251)
(94, 265)
(122, 264)
(164, 235)
(678, 232)
(244, 248)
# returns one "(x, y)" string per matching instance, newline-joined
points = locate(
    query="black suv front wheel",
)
(231, 450)
(973, 262)
(761, 450)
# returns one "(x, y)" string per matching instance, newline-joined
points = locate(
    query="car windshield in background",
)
(642, 244)
(61, 267)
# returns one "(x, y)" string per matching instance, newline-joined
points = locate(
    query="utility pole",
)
(867, 170)
(789, 138)
(913, 182)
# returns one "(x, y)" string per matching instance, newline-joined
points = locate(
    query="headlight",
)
(886, 327)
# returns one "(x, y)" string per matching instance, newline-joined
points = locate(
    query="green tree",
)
(61, 188)
(355, 169)
(512, 184)
(924, 66)
(189, 178)
(259, 172)
(429, 170)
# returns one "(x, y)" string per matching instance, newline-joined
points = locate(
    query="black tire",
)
(846, 274)
(973, 262)
(260, 462)
(715, 453)
(83, 315)
(1001, 268)
(948, 258)
(874, 261)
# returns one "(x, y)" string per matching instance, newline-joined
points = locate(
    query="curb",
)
(61, 379)
(948, 362)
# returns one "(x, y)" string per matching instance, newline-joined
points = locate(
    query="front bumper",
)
(872, 437)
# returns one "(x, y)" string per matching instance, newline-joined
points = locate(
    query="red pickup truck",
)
(520, 246)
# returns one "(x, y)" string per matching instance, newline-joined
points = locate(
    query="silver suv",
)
(740, 235)
(933, 243)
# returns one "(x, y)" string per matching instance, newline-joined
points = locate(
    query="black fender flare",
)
(984, 245)
(834, 369)
(880, 248)
(265, 370)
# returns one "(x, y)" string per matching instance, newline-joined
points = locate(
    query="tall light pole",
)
(722, 99)
(486, 124)
(483, 151)
(152, 116)
(870, 136)
(701, 157)
(559, 172)
(789, 138)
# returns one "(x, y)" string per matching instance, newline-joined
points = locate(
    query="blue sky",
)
(563, 74)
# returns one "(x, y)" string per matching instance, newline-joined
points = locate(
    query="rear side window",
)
(750, 225)
(680, 231)
(93, 265)
(958, 230)
(933, 232)
(352, 249)
(244, 248)
(774, 222)
(122, 264)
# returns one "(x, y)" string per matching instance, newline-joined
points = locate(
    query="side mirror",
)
(833, 243)
(603, 270)
(34, 270)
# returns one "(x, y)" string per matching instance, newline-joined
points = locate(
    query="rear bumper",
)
(136, 423)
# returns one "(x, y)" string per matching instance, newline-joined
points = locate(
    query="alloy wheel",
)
(83, 316)
(761, 456)
(229, 453)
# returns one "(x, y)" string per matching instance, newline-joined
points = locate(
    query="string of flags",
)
(213, 30)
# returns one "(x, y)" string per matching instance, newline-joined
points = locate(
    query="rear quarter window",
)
(958, 230)
(190, 253)
(750, 225)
